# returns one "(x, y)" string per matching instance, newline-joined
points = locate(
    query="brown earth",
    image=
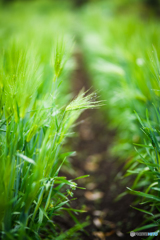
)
(108, 219)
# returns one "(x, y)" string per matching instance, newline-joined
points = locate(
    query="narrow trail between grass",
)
(109, 219)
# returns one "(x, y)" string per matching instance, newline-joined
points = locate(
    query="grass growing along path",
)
(34, 171)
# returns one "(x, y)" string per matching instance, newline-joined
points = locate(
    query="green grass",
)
(121, 52)
(37, 115)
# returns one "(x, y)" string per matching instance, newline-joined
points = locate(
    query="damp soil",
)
(109, 219)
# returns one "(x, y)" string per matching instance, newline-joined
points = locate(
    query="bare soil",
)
(108, 219)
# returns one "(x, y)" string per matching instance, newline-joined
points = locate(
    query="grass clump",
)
(35, 121)
(124, 66)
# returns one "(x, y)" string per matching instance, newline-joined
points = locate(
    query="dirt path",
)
(109, 219)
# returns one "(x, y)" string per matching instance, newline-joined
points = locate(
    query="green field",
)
(40, 46)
